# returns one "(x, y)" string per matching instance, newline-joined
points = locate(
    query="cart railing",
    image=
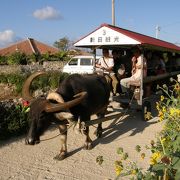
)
(149, 79)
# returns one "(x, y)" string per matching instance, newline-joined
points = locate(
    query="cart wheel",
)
(146, 111)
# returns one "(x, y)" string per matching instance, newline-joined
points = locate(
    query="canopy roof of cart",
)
(112, 36)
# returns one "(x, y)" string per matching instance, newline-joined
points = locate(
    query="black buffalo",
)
(77, 98)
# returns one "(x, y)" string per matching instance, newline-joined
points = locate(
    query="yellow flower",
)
(118, 170)
(163, 109)
(134, 172)
(174, 112)
(161, 116)
(160, 113)
(163, 140)
(118, 167)
(155, 158)
(152, 161)
(157, 106)
(162, 98)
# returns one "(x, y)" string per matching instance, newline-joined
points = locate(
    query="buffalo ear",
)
(55, 96)
(64, 115)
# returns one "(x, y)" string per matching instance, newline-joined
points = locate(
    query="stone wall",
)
(7, 91)
(46, 66)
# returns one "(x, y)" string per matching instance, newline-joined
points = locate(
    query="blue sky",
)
(50, 20)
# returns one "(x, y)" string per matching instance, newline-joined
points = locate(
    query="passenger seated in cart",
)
(150, 63)
(155, 63)
(119, 67)
(137, 65)
(106, 64)
(160, 67)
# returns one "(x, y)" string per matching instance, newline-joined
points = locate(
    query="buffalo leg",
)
(63, 142)
(99, 130)
(88, 141)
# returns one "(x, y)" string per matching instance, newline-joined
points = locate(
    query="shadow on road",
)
(131, 122)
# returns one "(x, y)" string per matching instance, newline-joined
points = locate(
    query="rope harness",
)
(70, 125)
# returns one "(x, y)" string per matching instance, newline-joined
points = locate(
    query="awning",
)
(112, 36)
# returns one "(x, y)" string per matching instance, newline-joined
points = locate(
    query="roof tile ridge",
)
(31, 44)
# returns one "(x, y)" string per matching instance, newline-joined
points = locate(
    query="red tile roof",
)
(28, 46)
(146, 40)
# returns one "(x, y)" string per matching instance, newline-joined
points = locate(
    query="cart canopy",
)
(112, 37)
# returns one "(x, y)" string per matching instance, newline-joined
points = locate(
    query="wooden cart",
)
(112, 37)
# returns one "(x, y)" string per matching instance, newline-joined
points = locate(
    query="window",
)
(86, 62)
(73, 62)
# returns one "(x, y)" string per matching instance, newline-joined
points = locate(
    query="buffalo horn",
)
(66, 105)
(26, 87)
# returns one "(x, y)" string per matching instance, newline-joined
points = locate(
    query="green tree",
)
(62, 56)
(17, 58)
(63, 44)
(32, 58)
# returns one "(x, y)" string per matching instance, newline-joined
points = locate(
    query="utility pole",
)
(113, 13)
(158, 28)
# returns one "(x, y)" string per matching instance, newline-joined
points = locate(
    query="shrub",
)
(13, 118)
(17, 58)
(3, 78)
(47, 82)
(17, 80)
(2, 60)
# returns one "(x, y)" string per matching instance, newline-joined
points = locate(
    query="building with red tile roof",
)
(28, 46)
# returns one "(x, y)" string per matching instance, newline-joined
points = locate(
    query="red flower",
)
(25, 103)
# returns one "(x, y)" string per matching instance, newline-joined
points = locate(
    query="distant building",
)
(28, 46)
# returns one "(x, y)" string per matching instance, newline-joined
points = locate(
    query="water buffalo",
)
(77, 98)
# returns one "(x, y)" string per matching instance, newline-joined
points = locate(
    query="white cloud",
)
(7, 37)
(47, 13)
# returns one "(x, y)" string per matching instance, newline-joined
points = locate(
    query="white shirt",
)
(137, 75)
(106, 62)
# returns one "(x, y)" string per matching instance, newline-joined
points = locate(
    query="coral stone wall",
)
(7, 91)
(46, 66)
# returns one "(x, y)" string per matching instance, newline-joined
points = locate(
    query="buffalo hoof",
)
(30, 141)
(88, 146)
(60, 157)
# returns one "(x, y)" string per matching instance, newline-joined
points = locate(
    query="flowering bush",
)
(165, 152)
(13, 118)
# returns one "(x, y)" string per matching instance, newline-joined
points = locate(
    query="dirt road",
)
(22, 162)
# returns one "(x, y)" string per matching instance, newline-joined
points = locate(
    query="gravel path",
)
(22, 162)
